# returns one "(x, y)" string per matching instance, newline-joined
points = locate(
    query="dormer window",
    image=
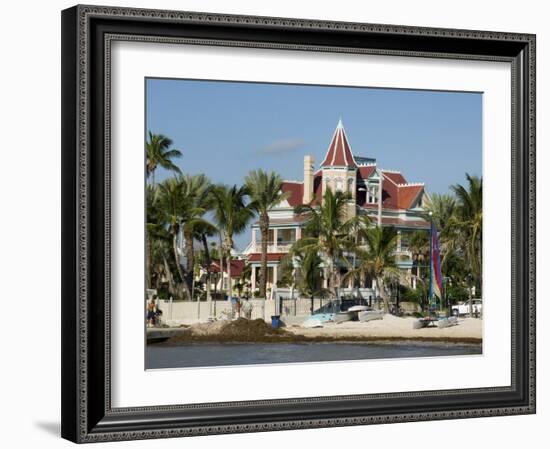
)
(372, 194)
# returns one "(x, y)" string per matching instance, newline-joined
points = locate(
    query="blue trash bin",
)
(275, 321)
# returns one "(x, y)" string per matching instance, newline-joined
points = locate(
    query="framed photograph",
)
(276, 224)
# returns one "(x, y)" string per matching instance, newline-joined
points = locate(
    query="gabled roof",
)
(396, 192)
(394, 176)
(237, 267)
(339, 151)
(365, 171)
(296, 191)
(408, 195)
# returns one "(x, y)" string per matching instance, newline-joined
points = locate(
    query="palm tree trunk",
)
(229, 245)
(470, 303)
(148, 259)
(333, 286)
(383, 295)
(264, 230)
(207, 262)
(221, 270)
(190, 269)
(178, 266)
(171, 287)
(228, 263)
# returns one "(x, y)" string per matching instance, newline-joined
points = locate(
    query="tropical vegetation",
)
(192, 223)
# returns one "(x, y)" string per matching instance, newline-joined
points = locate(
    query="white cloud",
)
(282, 146)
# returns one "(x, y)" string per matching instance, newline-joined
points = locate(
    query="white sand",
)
(392, 326)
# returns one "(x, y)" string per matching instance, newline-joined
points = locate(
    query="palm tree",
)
(419, 246)
(179, 200)
(327, 231)
(158, 241)
(232, 216)
(469, 221)
(201, 233)
(265, 193)
(158, 153)
(309, 279)
(244, 280)
(443, 208)
(196, 190)
(154, 230)
(171, 201)
(378, 259)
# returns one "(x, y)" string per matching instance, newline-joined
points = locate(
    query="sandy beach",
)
(394, 327)
(390, 328)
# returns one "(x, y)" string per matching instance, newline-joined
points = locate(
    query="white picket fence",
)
(185, 312)
(287, 305)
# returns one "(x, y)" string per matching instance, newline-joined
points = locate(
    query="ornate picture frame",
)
(87, 35)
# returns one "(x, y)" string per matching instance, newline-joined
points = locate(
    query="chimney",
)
(308, 179)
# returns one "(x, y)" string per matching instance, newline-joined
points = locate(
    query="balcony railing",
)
(280, 247)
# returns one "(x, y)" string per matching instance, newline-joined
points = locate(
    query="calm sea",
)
(226, 354)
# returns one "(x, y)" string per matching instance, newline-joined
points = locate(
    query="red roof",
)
(296, 191)
(396, 177)
(339, 151)
(407, 195)
(271, 257)
(237, 267)
(390, 194)
(396, 193)
(365, 172)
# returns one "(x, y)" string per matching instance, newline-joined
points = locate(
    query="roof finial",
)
(340, 124)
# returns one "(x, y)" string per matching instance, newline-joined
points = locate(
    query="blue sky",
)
(226, 129)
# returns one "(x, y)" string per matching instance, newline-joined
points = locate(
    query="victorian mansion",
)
(384, 195)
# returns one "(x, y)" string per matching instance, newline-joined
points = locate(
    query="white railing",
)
(271, 248)
(403, 252)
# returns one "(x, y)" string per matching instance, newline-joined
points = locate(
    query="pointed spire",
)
(339, 151)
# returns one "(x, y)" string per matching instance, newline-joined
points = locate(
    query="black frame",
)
(87, 32)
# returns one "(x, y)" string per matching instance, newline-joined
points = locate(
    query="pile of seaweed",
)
(240, 330)
(258, 331)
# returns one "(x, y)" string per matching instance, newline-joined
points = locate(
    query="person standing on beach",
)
(151, 312)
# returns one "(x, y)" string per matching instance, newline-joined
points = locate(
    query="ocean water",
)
(229, 354)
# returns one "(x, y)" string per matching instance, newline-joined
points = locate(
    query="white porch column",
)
(298, 233)
(275, 270)
(253, 279)
(275, 236)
